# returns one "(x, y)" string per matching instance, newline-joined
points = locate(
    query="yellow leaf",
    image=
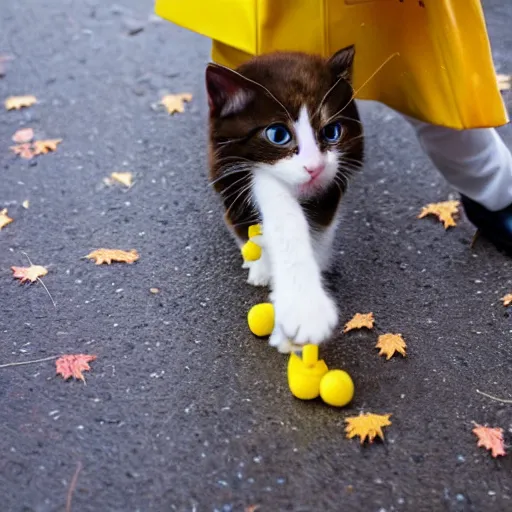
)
(175, 102)
(23, 135)
(4, 218)
(125, 178)
(367, 425)
(45, 146)
(38, 147)
(17, 102)
(391, 343)
(109, 255)
(507, 300)
(443, 211)
(504, 82)
(31, 273)
(359, 321)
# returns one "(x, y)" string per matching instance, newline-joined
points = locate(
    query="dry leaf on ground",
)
(72, 365)
(360, 320)
(23, 135)
(31, 273)
(504, 82)
(17, 102)
(175, 102)
(507, 300)
(389, 344)
(367, 425)
(491, 439)
(4, 218)
(25, 204)
(125, 178)
(444, 211)
(109, 255)
(39, 147)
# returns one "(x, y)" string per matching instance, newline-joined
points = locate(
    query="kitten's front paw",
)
(259, 273)
(306, 317)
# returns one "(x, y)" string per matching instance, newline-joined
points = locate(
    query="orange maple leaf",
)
(23, 135)
(507, 300)
(491, 439)
(72, 365)
(109, 255)
(444, 211)
(175, 102)
(39, 147)
(25, 150)
(359, 321)
(17, 102)
(32, 273)
(389, 344)
(367, 425)
(4, 218)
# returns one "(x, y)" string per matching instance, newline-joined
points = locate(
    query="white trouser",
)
(476, 162)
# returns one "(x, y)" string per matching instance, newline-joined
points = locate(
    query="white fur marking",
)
(303, 310)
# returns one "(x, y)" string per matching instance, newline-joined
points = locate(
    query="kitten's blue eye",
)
(278, 134)
(332, 132)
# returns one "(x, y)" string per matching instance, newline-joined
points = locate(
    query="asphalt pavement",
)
(183, 409)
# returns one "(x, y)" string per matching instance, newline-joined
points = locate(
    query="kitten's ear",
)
(228, 91)
(342, 61)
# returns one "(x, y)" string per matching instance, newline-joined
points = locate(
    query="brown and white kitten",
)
(285, 136)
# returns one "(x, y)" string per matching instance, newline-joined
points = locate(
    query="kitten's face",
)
(290, 115)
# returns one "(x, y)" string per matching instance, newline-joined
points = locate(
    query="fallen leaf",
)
(45, 146)
(25, 204)
(4, 218)
(367, 425)
(23, 135)
(359, 321)
(17, 102)
(72, 365)
(175, 102)
(39, 147)
(125, 178)
(154, 290)
(444, 211)
(31, 273)
(507, 300)
(491, 439)
(389, 344)
(109, 255)
(504, 82)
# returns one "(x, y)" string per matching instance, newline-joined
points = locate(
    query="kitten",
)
(285, 136)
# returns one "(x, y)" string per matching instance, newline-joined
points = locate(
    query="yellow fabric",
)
(443, 73)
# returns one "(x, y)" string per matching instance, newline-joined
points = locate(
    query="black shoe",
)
(495, 226)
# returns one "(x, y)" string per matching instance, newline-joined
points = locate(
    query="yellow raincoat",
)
(429, 59)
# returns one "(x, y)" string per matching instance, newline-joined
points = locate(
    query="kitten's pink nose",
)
(315, 170)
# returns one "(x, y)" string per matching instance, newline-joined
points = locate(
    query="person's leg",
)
(479, 165)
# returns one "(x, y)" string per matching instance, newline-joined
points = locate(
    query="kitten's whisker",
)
(354, 94)
(230, 141)
(227, 174)
(244, 190)
(223, 192)
(266, 91)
